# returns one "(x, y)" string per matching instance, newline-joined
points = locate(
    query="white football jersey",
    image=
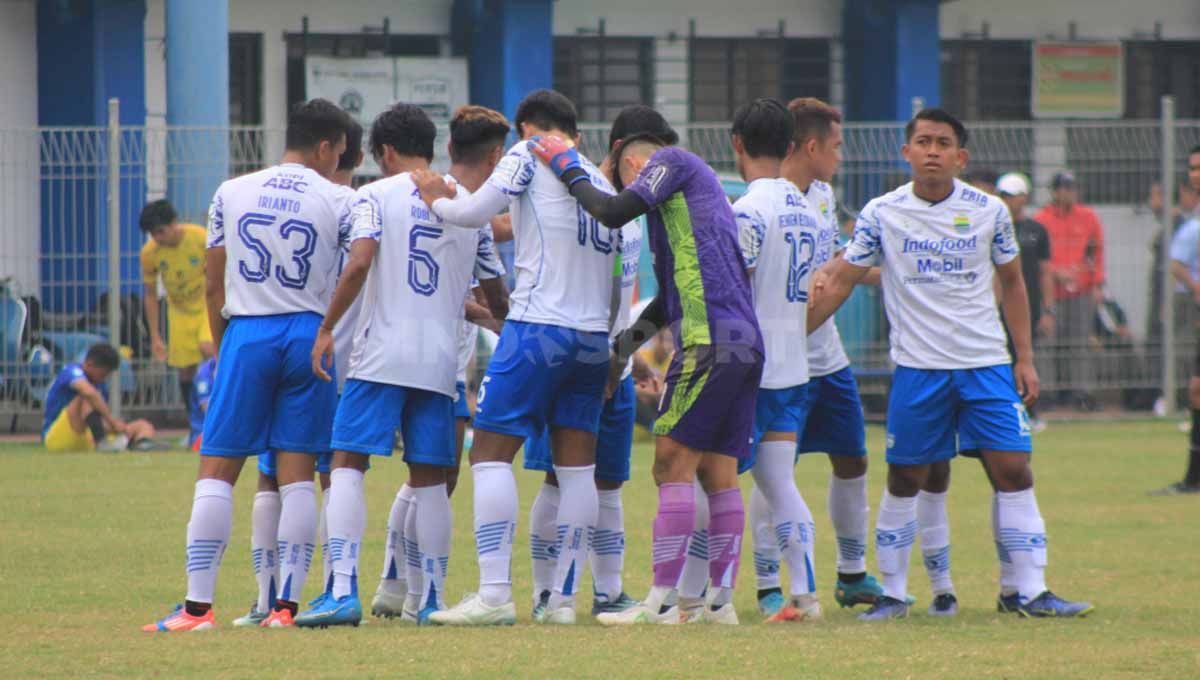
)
(280, 231)
(487, 266)
(778, 230)
(407, 332)
(343, 333)
(938, 261)
(630, 239)
(563, 256)
(825, 352)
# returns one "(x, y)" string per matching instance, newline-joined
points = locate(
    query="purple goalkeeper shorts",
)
(708, 401)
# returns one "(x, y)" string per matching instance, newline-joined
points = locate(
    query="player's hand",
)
(559, 156)
(820, 279)
(432, 186)
(119, 426)
(615, 369)
(1046, 326)
(158, 348)
(1026, 376)
(322, 354)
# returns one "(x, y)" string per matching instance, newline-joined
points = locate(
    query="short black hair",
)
(548, 109)
(313, 122)
(1195, 150)
(937, 116)
(639, 118)
(103, 355)
(765, 126)
(474, 132)
(984, 175)
(156, 214)
(627, 142)
(351, 156)
(406, 128)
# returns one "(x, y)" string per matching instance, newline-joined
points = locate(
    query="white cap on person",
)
(1013, 184)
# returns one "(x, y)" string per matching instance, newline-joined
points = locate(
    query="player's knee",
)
(218, 467)
(906, 480)
(608, 484)
(421, 475)
(848, 467)
(267, 482)
(349, 459)
(938, 480)
(451, 481)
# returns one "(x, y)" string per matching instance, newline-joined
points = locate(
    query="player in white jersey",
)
(835, 422)
(940, 244)
(550, 365)
(264, 516)
(778, 231)
(400, 584)
(416, 270)
(272, 260)
(614, 440)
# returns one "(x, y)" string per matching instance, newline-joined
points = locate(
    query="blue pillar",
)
(892, 55)
(88, 52)
(198, 100)
(510, 44)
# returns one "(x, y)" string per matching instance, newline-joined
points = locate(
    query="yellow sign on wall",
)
(1078, 80)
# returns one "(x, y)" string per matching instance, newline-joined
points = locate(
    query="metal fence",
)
(56, 264)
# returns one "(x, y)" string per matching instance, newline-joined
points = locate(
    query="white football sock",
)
(895, 531)
(543, 538)
(578, 507)
(413, 558)
(1008, 580)
(1023, 534)
(346, 517)
(934, 525)
(793, 521)
(297, 528)
(323, 539)
(693, 580)
(264, 531)
(766, 548)
(393, 579)
(495, 523)
(433, 535)
(608, 546)
(850, 514)
(207, 535)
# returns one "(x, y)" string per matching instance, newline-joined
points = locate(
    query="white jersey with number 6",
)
(407, 331)
(778, 231)
(280, 230)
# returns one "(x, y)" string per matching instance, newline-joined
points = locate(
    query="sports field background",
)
(91, 548)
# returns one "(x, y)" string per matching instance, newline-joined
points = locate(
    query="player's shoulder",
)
(71, 372)
(520, 150)
(899, 196)
(820, 191)
(149, 248)
(974, 202)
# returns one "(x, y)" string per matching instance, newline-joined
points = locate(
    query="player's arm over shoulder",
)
(514, 173)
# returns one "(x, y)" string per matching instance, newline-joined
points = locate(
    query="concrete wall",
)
(1094, 19)
(19, 189)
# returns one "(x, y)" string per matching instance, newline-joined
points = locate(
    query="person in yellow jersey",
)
(175, 252)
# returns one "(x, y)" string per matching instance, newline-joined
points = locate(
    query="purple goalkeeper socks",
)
(728, 520)
(672, 526)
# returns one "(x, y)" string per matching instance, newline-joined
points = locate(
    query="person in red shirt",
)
(1077, 262)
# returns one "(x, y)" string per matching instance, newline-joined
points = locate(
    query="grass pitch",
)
(91, 548)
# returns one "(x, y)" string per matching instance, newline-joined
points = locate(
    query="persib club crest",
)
(962, 224)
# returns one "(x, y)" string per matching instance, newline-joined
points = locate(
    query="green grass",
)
(91, 548)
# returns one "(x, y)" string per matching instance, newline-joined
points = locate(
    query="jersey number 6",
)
(419, 260)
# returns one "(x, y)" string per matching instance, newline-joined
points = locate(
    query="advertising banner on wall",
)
(1078, 80)
(366, 87)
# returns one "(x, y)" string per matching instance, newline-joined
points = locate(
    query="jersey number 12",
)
(803, 248)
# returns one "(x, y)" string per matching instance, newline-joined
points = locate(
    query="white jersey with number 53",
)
(280, 230)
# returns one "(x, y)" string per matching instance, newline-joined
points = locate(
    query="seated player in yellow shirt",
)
(176, 253)
(77, 415)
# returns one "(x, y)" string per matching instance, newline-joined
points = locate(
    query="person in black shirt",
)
(1034, 240)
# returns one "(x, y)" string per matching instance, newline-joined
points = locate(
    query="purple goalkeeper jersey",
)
(697, 259)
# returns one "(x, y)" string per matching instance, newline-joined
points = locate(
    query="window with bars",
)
(245, 78)
(987, 79)
(1161, 67)
(300, 45)
(726, 73)
(602, 75)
